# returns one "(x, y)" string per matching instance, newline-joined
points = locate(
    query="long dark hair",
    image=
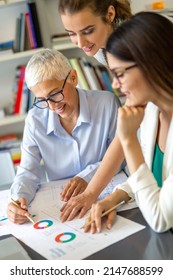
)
(147, 39)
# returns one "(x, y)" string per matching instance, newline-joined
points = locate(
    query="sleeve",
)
(155, 204)
(29, 172)
(126, 188)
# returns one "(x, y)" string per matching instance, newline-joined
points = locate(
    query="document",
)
(56, 240)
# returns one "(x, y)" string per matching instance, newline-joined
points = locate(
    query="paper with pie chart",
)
(56, 240)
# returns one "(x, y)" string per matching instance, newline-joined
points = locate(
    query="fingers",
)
(77, 205)
(73, 187)
(69, 212)
(18, 214)
(64, 196)
(94, 221)
(110, 219)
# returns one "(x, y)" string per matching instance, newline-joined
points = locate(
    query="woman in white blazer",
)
(140, 56)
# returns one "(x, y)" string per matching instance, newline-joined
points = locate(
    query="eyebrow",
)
(117, 68)
(84, 29)
(49, 94)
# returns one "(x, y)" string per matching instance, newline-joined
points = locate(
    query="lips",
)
(60, 110)
(88, 49)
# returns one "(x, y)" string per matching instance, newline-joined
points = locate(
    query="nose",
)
(51, 105)
(115, 83)
(80, 41)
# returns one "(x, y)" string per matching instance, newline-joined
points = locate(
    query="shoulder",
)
(100, 96)
(36, 116)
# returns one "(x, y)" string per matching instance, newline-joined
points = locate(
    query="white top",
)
(155, 204)
(100, 57)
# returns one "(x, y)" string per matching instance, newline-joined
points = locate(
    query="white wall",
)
(139, 5)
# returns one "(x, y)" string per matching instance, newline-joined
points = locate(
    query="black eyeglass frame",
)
(35, 103)
(122, 71)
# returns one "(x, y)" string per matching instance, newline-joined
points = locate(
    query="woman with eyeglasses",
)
(64, 130)
(140, 56)
(90, 22)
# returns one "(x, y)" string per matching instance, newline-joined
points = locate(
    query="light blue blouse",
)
(65, 156)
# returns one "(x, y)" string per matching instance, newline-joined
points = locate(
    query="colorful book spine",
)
(107, 81)
(32, 27)
(19, 90)
(29, 34)
(81, 77)
(32, 9)
(90, 74)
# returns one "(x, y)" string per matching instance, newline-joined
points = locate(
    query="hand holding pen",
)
(17, 211)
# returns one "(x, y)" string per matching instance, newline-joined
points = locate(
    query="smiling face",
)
(66, 108)
(132, 83)
(87, 30)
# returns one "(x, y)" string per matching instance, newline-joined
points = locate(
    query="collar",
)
(53, 122)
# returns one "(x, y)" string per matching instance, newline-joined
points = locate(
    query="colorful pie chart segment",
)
(65, 237)
(43, 224)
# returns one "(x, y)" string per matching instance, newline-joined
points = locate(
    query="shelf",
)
(12, 120)
(65, 46)
(16, 56)
(5, 4)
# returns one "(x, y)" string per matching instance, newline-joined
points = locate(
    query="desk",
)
(143, 245)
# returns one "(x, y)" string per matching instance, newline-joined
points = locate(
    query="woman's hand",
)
(96, 213)
(73, 187)
(77, 205)
(18, 215)
(129, 120)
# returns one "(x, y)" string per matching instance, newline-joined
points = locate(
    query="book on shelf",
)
(90, 75)
(35, 26)
(82, 82)
(27, 30)
(106, 78)
(22, 32)
(17, 35)
(7, 139)
(12, 143)
(29, 38)
(100, 78)
(20, 78)
(6, 47)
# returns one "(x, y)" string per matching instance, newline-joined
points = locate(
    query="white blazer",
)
(155, 204)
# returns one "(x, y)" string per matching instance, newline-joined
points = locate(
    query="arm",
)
(28, 176)
(103, 134)
(155, 203)
(108, 167)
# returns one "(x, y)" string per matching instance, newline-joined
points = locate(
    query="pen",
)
(29, 218)
(104, 213)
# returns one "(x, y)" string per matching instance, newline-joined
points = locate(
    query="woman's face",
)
(131, 81)
(88, 31)
(68, 106)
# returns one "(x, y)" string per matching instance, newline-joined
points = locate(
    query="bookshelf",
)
(50, 25)
(10, 10)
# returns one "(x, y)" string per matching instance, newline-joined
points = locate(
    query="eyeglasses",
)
(55, 98)
(119, 73)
